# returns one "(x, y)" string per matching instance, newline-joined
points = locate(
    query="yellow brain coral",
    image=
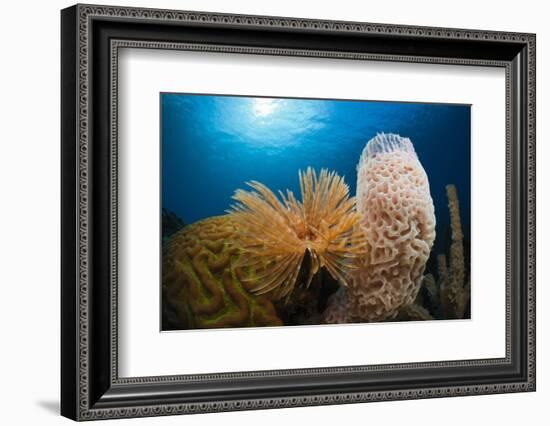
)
(202, 287)
(397, 213)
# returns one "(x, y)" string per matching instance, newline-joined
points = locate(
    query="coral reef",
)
(329, 257)
(413, 312)
(338, 308)
(428, 296)
(201, 286)
(279, 234)
(448, 297)
(454, 290)
(397, 214)
(455, 293)
(256, 264)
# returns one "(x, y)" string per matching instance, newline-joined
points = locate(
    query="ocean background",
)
(212, 145)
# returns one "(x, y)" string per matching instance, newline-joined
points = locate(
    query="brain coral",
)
(203, 288)
(397, 212)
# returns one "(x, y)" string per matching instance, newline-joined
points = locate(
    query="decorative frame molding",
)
(91, 37)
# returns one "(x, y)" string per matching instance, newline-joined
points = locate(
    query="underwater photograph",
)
(295, 211)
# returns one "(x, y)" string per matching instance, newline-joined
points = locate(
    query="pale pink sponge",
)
(397, 212)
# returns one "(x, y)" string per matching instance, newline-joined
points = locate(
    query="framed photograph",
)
(263, 212)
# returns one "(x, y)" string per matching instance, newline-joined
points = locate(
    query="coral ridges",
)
(203, 288)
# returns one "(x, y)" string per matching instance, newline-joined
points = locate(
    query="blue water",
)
(212, 145)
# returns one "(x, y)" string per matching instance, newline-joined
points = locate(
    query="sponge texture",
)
(397, 213)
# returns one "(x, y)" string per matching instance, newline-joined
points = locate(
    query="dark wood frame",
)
(90, 386)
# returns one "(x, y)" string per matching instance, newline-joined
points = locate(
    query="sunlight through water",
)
(264, 107)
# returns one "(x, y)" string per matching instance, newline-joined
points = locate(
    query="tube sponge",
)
(397, 213)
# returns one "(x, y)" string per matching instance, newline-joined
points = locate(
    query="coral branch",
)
(454, 294)
(442, 267)
(432, 289)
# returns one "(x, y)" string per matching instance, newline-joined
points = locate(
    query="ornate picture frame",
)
(91, 37)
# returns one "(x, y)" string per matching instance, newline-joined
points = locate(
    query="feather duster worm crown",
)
(275, 235)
